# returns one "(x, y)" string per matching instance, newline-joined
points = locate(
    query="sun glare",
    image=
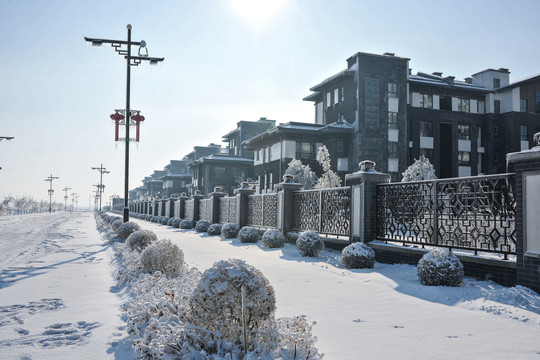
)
(257, 12)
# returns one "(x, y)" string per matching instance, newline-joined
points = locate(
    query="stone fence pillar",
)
(526, 166)
(180, 206)
(215, 196)
(155, 207)
(242, 203)
(364, 201)
(285, 203)
(169, 207)
(196, 205)
(163, 206)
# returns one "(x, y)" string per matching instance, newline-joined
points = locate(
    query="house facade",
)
(465, 127)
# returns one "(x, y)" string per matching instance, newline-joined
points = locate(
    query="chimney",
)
(468, 80)
(505, 70)
(389, 54)
(437, 73)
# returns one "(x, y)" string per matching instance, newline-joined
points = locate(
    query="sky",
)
(225, 61)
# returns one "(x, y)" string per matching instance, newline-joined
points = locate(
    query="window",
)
(537, 103)
(392, 120)
(445, 103)
(342, 94)
(496, 83)
(523, 105)
(336, 96)
(392, 90)
(495, 130)
(269, 153)
(426, 101)
(328, 99)
(497, 106)
(464, 105)
(340, 146)
(464, 158)
(305, 151)
(480, 107)
(257, 157)
(523, 133)
(479, 141)
(392, 149)
(426, 129)
(464, 132)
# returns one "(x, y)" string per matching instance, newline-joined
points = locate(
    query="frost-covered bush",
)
(422, 169)
(116, 224)
(229, 230)
(248, 234)
(214, 229)
(140, 239)
(216, 303)
(162, 256)
(309, 243)
(152, 219)
(148, 217)
(273, 239)
(164, 220)
(111, 219)
(358, 256)
(127, 229)
(186, 224)
(202, 226)
(296, 340)
(440, 267)
(176, 222)
(169, 223)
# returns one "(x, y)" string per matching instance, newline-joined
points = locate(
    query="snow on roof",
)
(433, 80)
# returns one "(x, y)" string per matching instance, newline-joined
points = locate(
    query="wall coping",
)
(524, 155)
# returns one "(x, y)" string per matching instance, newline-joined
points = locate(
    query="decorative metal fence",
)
(327, 211)
(262, 210)
(473, 213)
(205, 209)
(188, 210)
(227, 209)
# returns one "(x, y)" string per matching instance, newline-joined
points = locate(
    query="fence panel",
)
(262, 210)
(189, 209)
(473, 213)
(327, 211)
(205, 209)
(227, 209)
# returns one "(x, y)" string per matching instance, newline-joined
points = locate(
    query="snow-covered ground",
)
(58, 298)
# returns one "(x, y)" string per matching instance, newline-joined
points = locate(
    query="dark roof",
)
(219, 158)
(448, 81)
(339, 75)
(522, 81)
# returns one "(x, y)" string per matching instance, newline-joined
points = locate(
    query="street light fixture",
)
(51, 191)
(101, 187)
(123, 48)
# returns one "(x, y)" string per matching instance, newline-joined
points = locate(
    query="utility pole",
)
(101, 187)
(73, 201)
(51, 191)
(66, 197)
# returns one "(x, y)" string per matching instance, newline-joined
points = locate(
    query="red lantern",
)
(117, 117)
(138, 118)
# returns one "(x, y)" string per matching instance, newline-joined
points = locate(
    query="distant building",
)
(177, 178)
(464, 127)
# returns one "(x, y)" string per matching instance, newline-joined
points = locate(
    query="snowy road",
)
(55, 289)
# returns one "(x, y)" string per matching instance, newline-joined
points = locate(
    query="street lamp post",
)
(66, 197)
(101, 187)
(130, 61)
(51, 191)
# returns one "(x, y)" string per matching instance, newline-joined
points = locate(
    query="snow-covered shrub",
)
(421, 169)
(169, 223)
(216, 304)
(248, 234)
(116, 224)
(152, 219)
(229, 230)
(162, 256)
(358, 256)
(176, 222)
(214, 229)
(302, 174)
(127, 229)
(202, 226)
(296, 340)
(273, 239)
(140, 239)
(309, 243)
(440, 267)
(186, 224)
(148, 217)
(329, 179)
(158, 219)
(164, 220)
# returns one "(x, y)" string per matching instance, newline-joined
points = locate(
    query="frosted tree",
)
(302, 174)
(329, 179)
(422, 169)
